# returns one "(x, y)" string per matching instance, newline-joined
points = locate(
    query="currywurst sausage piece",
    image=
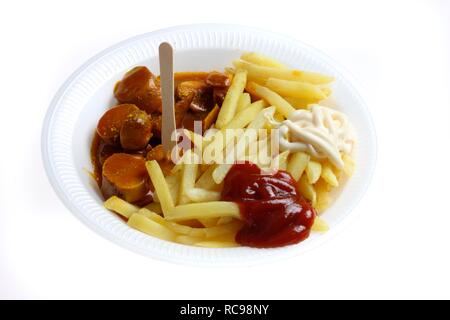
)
(136, 131)
(217, 79)
(125, 176)
(139, 86)
(110, 124)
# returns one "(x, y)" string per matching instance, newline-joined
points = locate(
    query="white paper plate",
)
(72, 117)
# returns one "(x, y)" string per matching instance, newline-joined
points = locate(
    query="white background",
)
(398, 247)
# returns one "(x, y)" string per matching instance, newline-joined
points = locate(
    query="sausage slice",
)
(136, 131)
(125, 176)
(110, 124)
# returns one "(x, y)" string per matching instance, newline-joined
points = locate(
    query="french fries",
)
(282, 160)
(242, 145)
(224, 220)
(313, 171)
(146, 225)
(173, 185)
(296, 89)
(322, 195)
(349, 165)
(329, 176)
(229, 105)
(120, 206)
(206, 180)
(243, 102)
(297, 164)
(243, 118)
(173, 182)
(319, 225)
(208, 222)
(213, 209)
(219, 141)
(272, 98)
(217, 244)
(299, 103)
(307, 190)
(261, 60)
(202, 195)
(261, 118)
(188, 177)
(188, 240)
(212, 231)
(197, 139)
(161, 187)
(263, 73)
(152, 216)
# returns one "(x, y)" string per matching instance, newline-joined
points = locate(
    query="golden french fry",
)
(173, 226)
(177, 168)
(299, 103)
(223, 230)
(261, 60)
(206, 180)
(243, 118)
(208, 222)
(224, 220)
(202, 195)
(282, 160)
(217, 244)
(328, 175)
(262, 157)
(273, 98)
(227, 239)
(188, 176)
(263, 73)
(260, 120)
(212, 209)
(219, 141)
(307, 190)
(237, 151)
(243, 102)
(161, 187)
(349, 165)
(323, 195)
(120, 206)
(220, 172)
(152, 215)
(295, 89)
(173, 182)
(313, 171)
(229, 105)
(188, 240)
(322, 184)
(319, 225)
(297, 164)
(196, 139)
(148, 226)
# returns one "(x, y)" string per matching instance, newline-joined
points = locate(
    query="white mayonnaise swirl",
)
(320, 131)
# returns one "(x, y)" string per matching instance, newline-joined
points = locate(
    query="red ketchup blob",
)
(275, 214)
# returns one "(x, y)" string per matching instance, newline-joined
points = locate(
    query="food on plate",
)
(260, 155)
(125, 175)
(274, 212)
